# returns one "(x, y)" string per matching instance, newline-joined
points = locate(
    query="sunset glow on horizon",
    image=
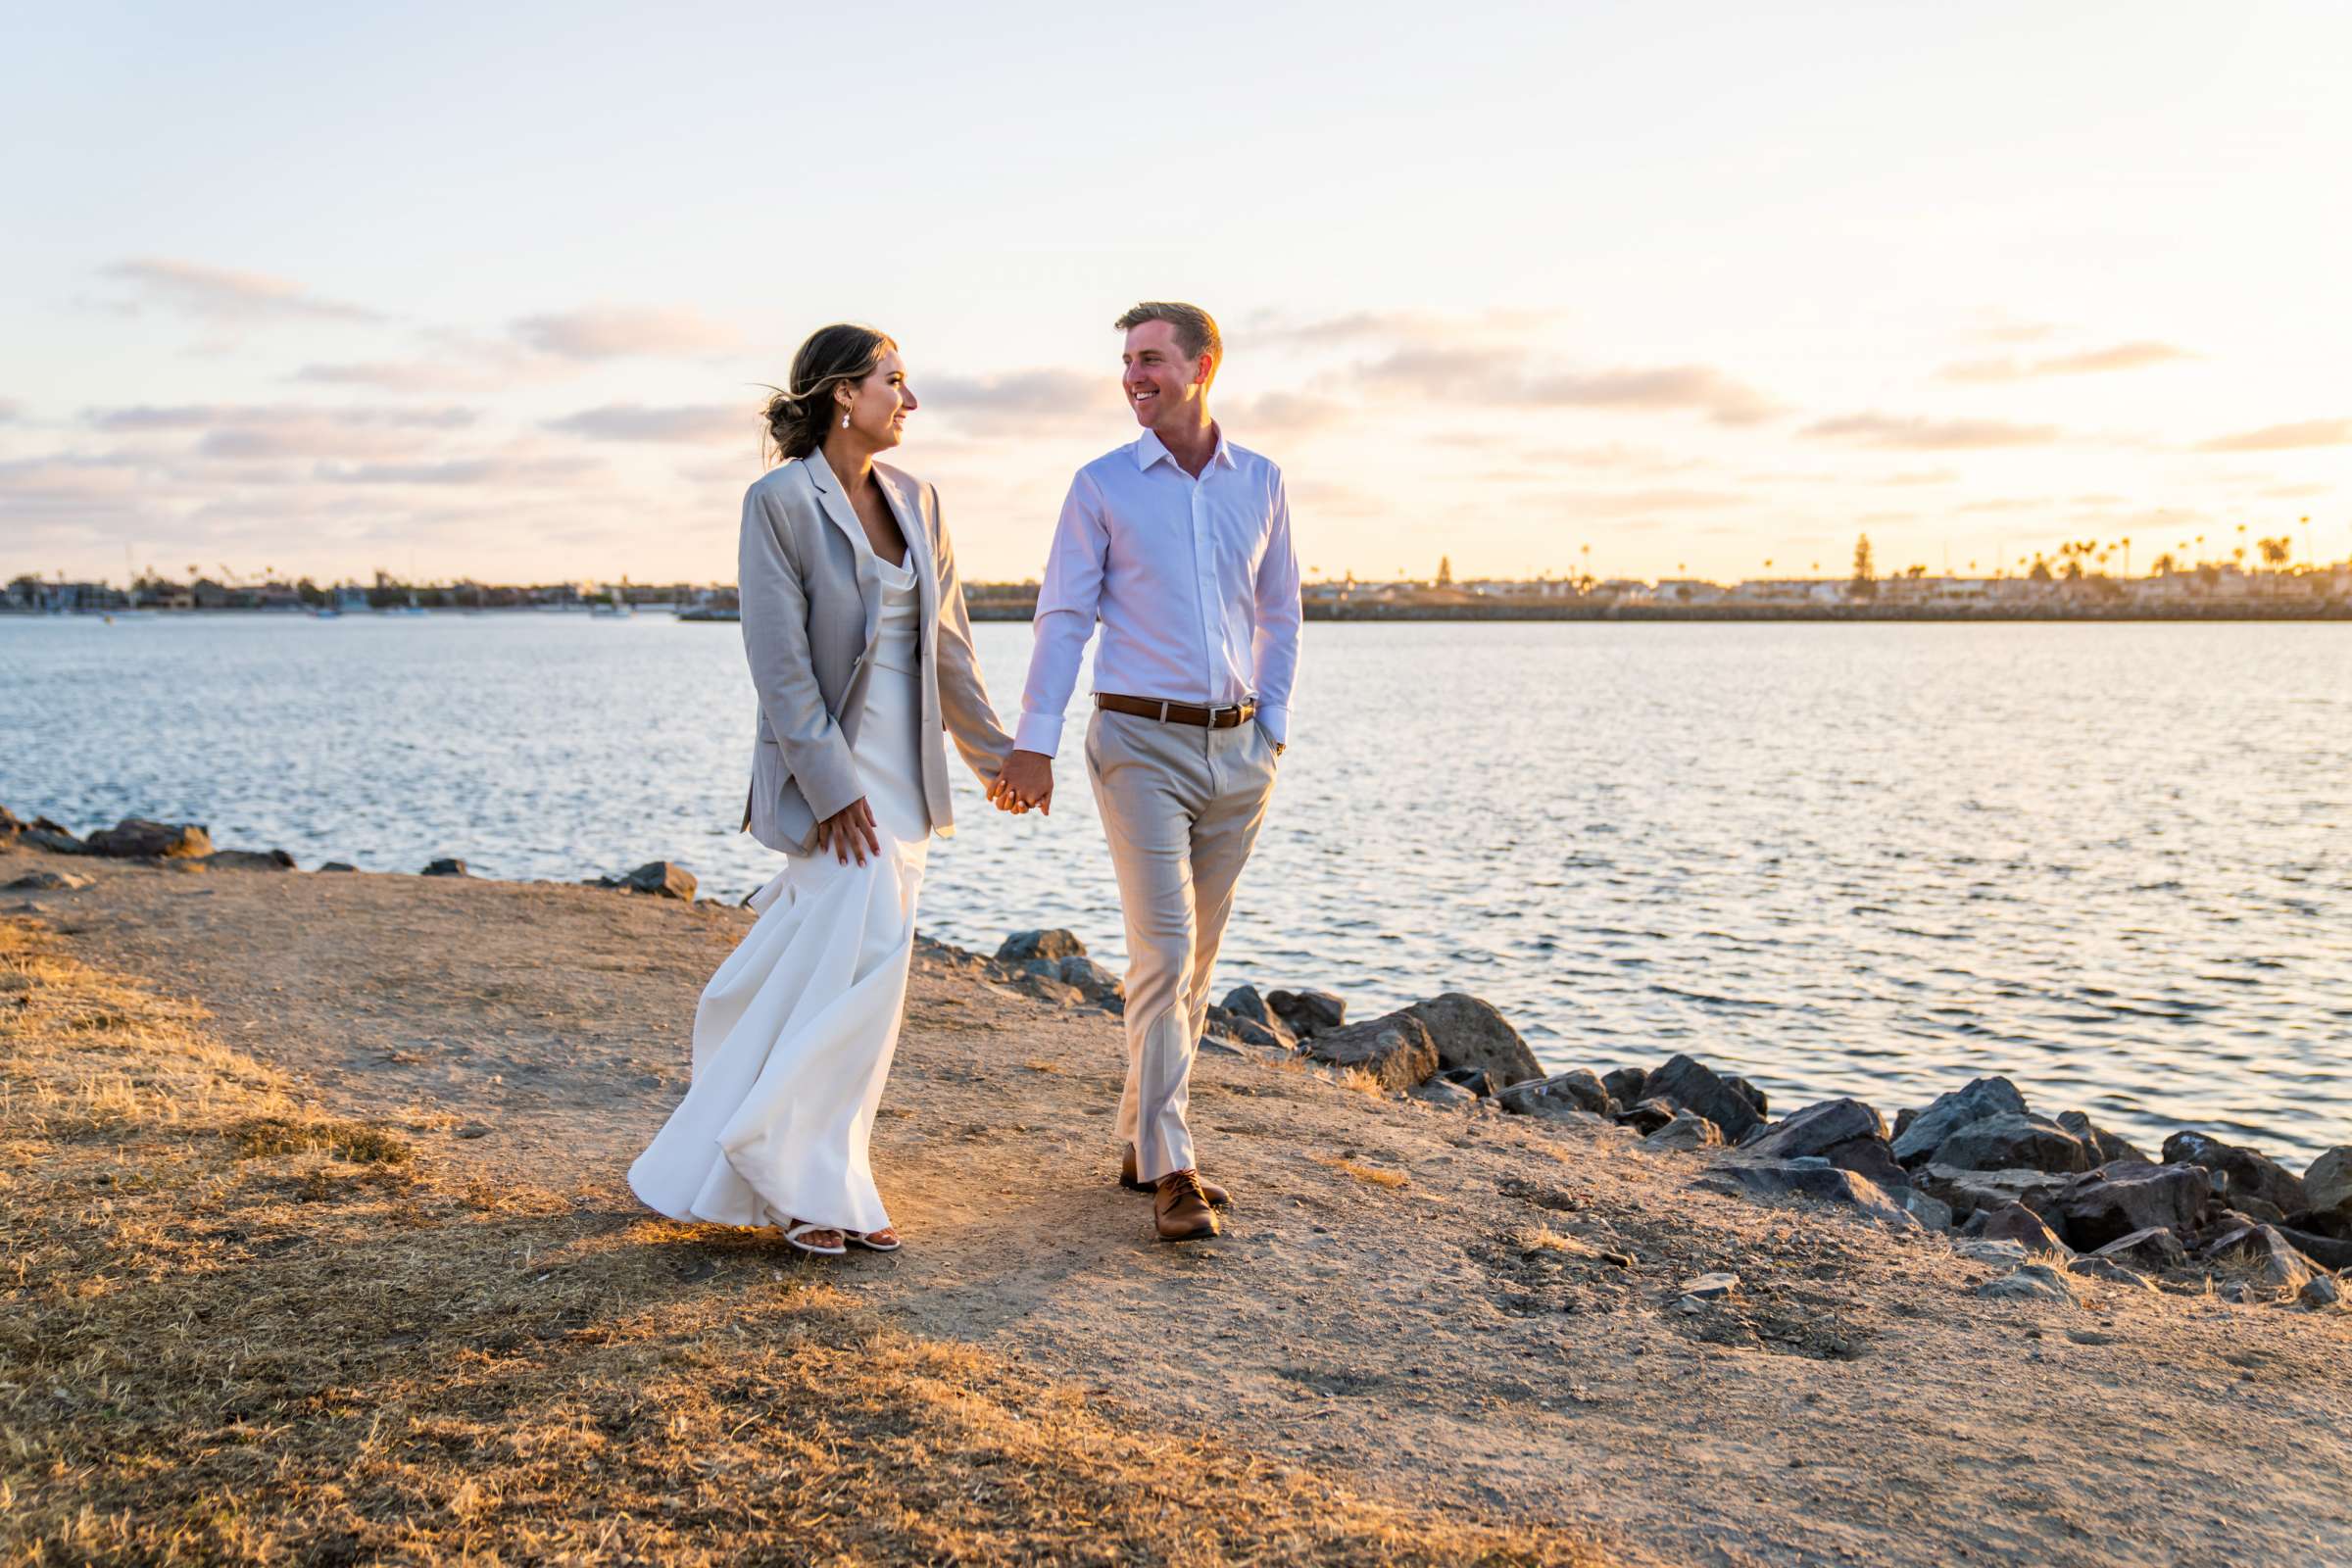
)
(1643, 291)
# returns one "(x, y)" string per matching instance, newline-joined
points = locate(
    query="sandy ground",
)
(1461, 1337)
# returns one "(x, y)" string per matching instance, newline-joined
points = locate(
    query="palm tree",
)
(2126, 542)
(2277, 553)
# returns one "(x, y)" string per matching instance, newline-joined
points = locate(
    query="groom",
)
(1180, 544)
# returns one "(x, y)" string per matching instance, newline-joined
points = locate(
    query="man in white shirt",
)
(1180, 544)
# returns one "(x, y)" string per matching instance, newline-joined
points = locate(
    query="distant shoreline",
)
(985, 611)
(2330, 611)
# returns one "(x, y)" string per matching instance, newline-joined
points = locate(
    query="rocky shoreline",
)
(2052, 1200)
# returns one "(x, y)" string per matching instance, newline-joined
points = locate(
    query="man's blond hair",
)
(1196, 329)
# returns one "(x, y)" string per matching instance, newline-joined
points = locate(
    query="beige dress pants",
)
(1181, 805)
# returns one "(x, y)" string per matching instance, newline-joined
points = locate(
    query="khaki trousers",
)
(1181, 805)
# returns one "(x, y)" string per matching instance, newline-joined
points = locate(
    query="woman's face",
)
(879, 404)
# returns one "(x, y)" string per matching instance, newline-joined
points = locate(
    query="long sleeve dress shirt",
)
(1195, 582)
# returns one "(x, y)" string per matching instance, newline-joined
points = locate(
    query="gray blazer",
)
(812, 612)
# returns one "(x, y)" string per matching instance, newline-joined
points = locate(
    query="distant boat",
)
(617, 608)
(709, 612)
(411, 608)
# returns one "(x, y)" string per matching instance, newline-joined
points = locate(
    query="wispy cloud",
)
(1500, 376)
(2092, 361)
(220, 294)
(1039, 392)
(2285, 437)
(1921, 477)
(623, 331)
(695, 424)
(1916, 433)
(249, 416)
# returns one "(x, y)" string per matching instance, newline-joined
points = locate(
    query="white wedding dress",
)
(794, 1036)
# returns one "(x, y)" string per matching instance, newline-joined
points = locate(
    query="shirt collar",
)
(1149, 449)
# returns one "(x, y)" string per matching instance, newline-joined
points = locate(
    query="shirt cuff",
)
(1276, 723)
(1040, 733)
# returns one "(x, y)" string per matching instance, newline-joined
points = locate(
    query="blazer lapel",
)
(908, 509)
(837, 508)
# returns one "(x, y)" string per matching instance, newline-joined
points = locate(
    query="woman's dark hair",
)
(798, 413)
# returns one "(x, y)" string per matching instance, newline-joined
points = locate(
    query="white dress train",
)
(794, 1036)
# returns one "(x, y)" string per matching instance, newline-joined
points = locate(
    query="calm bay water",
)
(2110, 861)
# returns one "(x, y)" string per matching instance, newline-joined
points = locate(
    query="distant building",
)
(1788, 591)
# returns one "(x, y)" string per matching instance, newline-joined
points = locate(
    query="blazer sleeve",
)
(775, 639)
(971, 717)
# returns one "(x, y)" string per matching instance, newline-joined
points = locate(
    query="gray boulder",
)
(2020, 1224)
(1445, 1095)
(1395, 1048)
(56, 840)
(2332, 1250)
(338, 866)
(1232, 1025)
(1574, 1090)
(1968, 1191)
(1093, 981)
(1869, 1157)
(135, 838)
(2152, 1251)
(1055, 945)
(2327, 1183)
(446, 867)
(2115, 1200)
(662, 879)
(1813, 1179)
(2013, 1141)
(1917, 1139)
(1625, 1085)
(1309, 1012)
(1690, 1085)
(2106, 1146)
(1817, 1128)
(1245, 1001)
(1688, 1131)
(2268, 1258)
(1754, 1095)
(1646, 1116)
(1470, 1032)
(2092, 1265)
(2239, 1173)
(1933, 1212)
(9, 824)
(246, 861)
(2032, 1282)
(49, 882)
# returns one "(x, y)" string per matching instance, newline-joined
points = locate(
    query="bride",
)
(861, 652)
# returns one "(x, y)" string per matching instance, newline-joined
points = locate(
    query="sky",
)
(1646, 290)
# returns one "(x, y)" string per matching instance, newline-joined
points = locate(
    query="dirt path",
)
(1454, 1338)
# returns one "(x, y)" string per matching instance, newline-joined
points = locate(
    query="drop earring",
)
(845, 418)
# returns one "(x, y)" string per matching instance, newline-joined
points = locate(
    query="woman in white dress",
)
(860, 651)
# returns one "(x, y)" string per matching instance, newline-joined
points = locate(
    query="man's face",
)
(1160, 382)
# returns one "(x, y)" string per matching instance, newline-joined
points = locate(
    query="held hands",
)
(1026, 781)
(849, 831)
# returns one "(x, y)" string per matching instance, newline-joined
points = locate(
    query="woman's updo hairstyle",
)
(799, 415)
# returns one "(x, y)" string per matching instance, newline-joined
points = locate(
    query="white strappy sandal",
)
(865, 1239)
(793, 1233)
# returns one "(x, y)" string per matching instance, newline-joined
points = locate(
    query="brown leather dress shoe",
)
(1219, 1197)
(1181, 1209)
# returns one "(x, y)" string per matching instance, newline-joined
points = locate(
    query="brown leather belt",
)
(1177, 713)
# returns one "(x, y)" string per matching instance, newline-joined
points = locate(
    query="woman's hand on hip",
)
(849, 831)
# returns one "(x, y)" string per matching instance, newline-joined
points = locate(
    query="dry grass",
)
(234, 1329)
(1369, 1175)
